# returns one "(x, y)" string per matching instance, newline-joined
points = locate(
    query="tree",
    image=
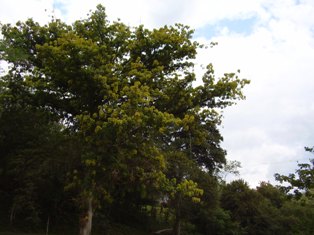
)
(302, 181)
(230, 167)
(32, 146)
(254, 212)
(299, 207)
(125, 98)
(272, 193)
(181, 187)
(238, 198)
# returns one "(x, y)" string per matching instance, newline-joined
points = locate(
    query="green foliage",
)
(98, 111)
(266, 210)
(302, 181)
(251, 210)
(272, 193)
(297, 217)
(298, 209)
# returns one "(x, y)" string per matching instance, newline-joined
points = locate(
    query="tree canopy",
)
(105, 121)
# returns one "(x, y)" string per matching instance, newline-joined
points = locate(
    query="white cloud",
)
(11, 11)
(278, 58)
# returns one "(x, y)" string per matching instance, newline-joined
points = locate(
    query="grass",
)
(11, 233)
(34, 233)
(19, 233)
(116, 230)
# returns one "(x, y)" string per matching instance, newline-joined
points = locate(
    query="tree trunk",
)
(47, 226)
(153, 212)
(86, 219)
(177, 222)
(177, 226)
(12, 214)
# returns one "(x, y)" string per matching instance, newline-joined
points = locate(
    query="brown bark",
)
(86, 219)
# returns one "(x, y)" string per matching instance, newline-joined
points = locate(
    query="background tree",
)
(32, 146)
(254, 212)
(300, 203)
(302, 181)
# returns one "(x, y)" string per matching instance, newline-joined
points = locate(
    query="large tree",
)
(125, 97)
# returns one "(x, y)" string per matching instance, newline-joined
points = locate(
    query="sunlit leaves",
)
(126, 98)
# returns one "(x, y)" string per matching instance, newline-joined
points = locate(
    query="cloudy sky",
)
(270, 41)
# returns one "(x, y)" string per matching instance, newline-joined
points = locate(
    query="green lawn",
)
(11, 233)
(34, 233)
(116, 230)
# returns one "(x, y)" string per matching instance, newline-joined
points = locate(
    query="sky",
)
(270, 41)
